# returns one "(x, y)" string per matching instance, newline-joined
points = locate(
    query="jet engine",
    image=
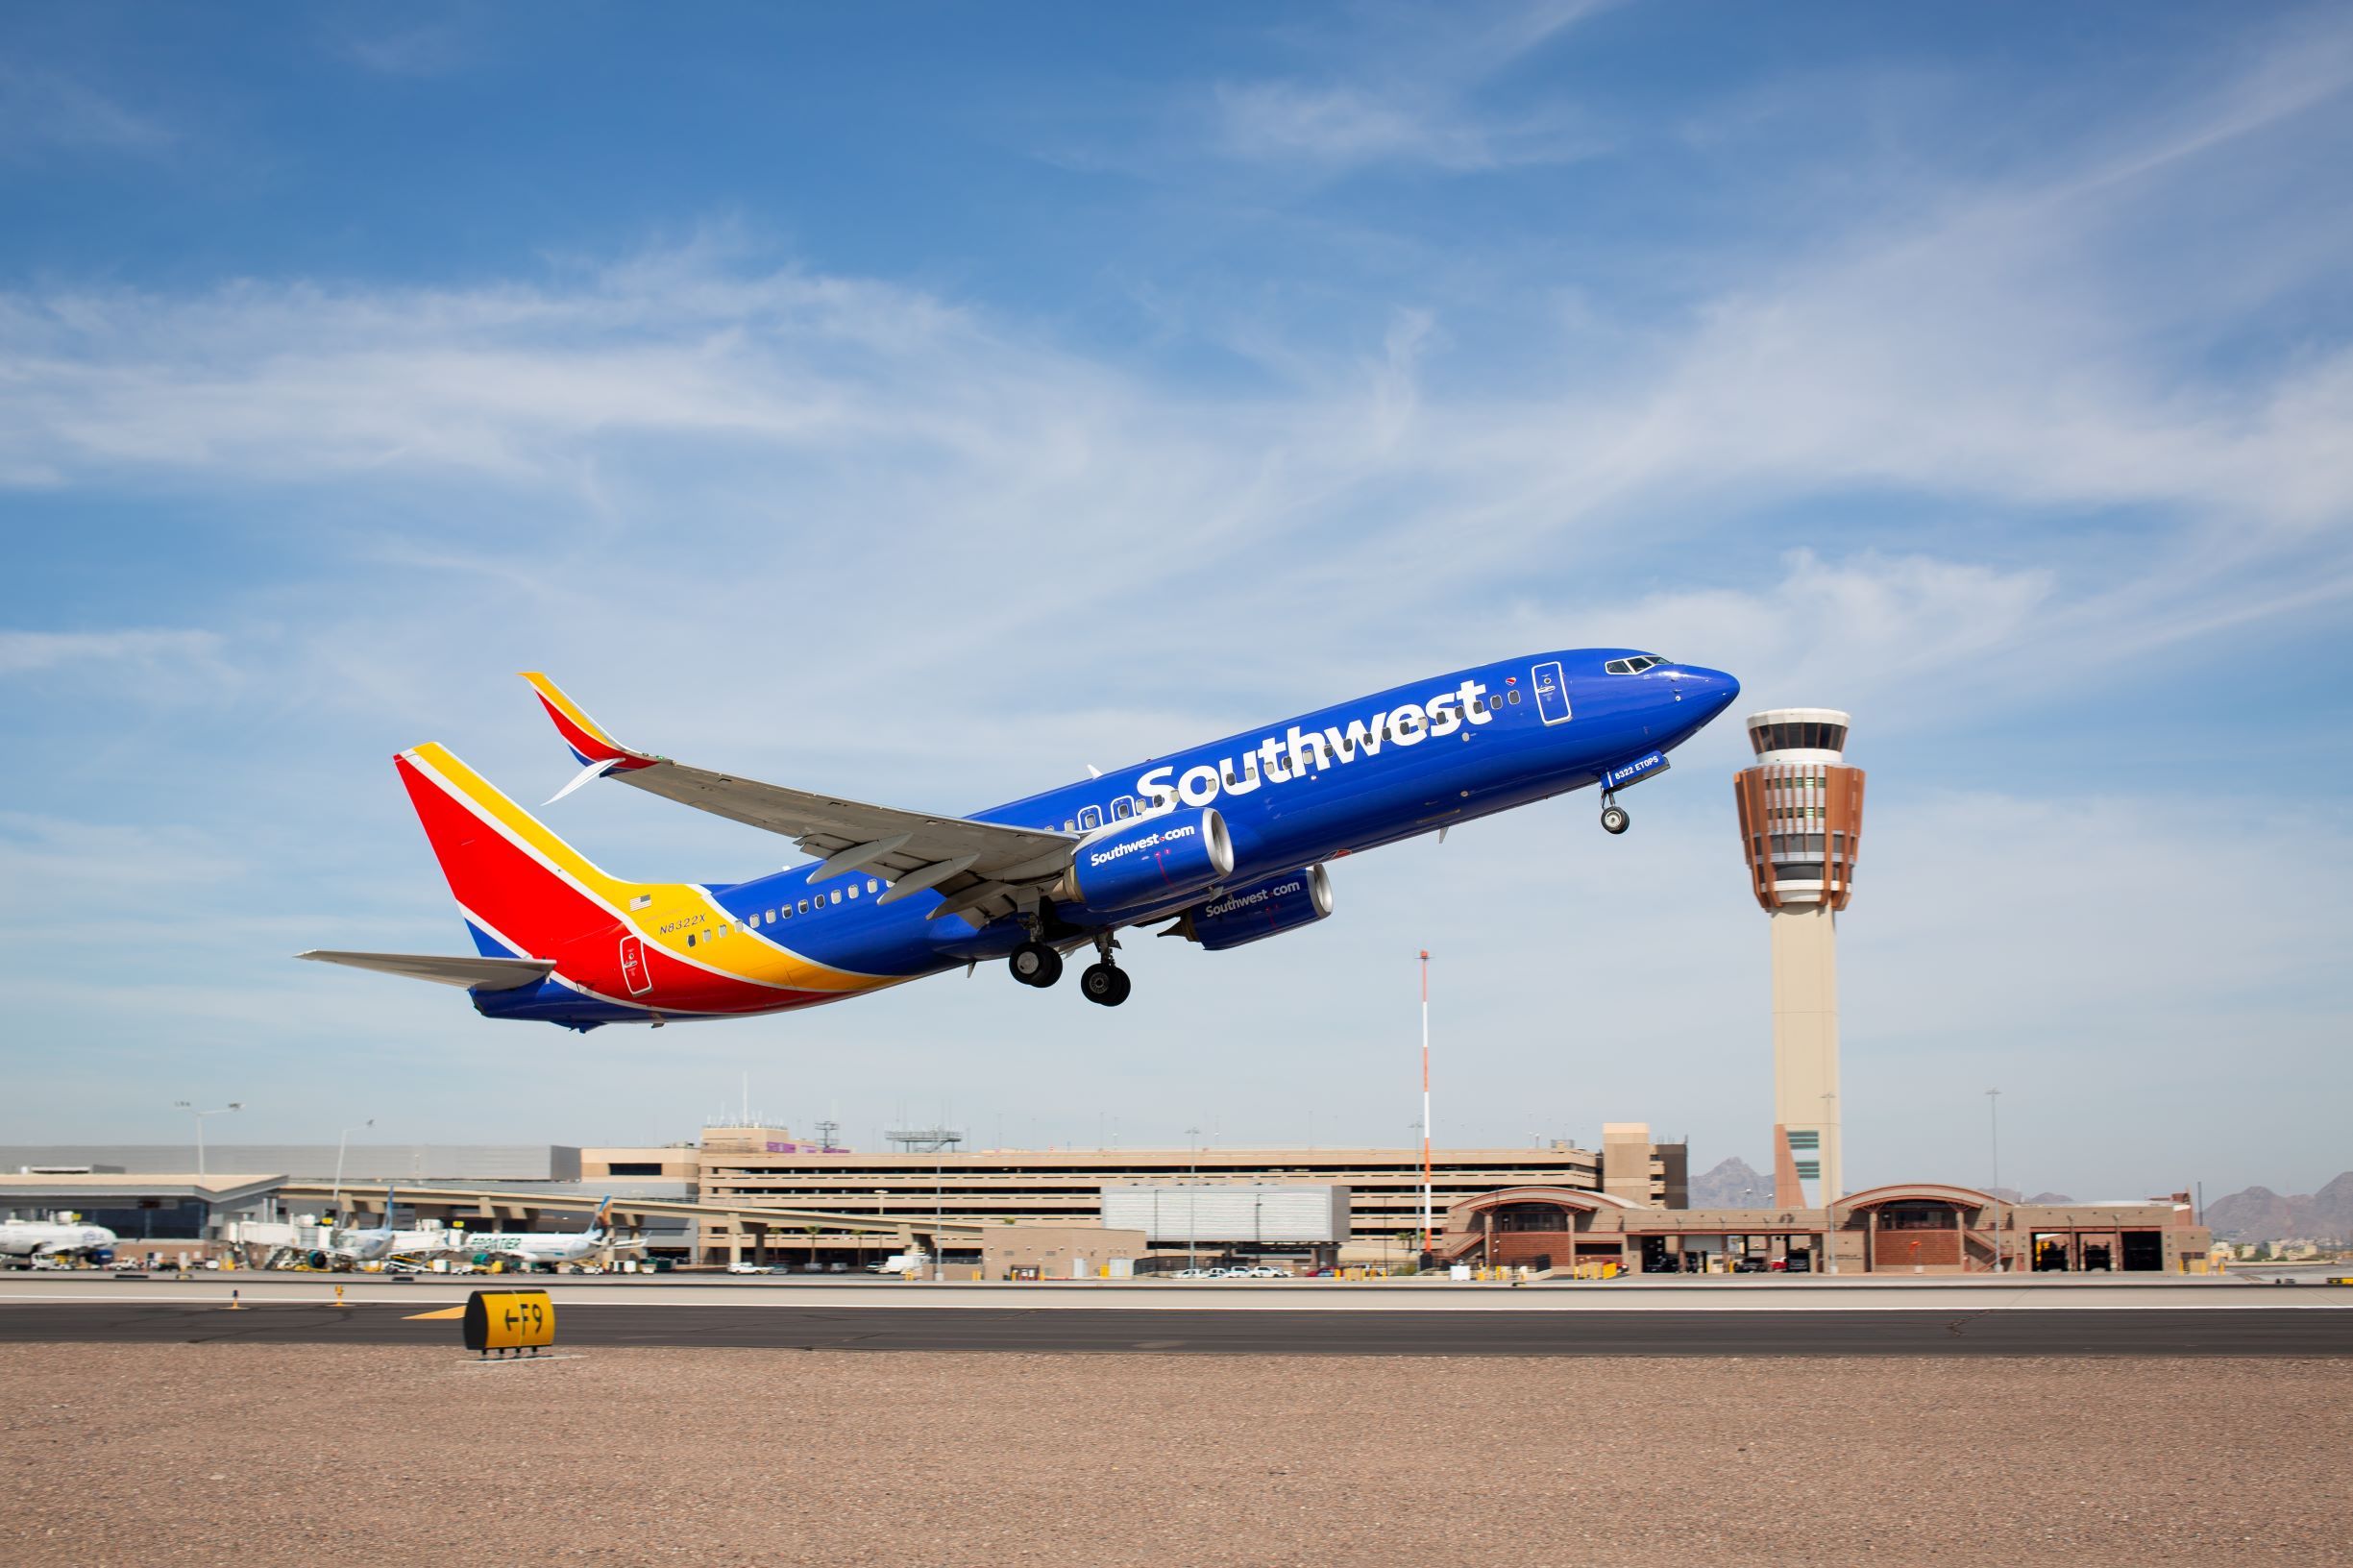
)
(1151, 860)
(1264, 909)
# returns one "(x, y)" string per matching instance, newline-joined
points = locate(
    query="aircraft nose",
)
(1711, 686)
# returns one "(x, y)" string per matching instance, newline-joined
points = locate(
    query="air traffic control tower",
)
(1801, 826)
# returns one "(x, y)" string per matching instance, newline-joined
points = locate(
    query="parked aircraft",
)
(1225, 842)
(23, 1242)
(350, 1245)
(536, 1250)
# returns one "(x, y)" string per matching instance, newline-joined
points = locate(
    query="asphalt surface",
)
(2283, 1331)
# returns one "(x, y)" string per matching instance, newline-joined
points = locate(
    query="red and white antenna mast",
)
(1425, 1099)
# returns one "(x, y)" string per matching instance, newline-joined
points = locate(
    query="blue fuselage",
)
(1389, 765)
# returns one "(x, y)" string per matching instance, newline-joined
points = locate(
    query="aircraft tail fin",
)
(523, 891)
(599, 1225)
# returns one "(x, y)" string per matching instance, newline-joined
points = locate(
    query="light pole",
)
(190, 1109)
(1829, 1183)
(1193, 1198)
(334, 1202)
(1426, 1181)
(1992, 1128)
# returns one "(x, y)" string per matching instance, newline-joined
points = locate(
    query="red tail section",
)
(526, 893)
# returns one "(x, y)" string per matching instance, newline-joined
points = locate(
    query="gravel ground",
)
(253, 1454)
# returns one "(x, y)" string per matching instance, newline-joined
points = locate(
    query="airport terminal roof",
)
(61, 1187)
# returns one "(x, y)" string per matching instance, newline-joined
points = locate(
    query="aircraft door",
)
(1552, 694)
(633, 970)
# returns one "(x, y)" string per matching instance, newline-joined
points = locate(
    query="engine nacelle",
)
(1262, 909)
(1151, 860)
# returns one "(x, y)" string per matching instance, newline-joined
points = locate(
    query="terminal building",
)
(757, 1195)
(751, 1167)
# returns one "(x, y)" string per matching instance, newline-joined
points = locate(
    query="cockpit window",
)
(1632, 667)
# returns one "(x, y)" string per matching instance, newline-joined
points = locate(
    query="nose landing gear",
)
(1613, 816)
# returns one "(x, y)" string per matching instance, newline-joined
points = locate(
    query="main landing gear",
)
(1613, 816)
(1104, 981)
(1034, 964)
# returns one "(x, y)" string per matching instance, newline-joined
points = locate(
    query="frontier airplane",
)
(533, 1249)
(1225, 841)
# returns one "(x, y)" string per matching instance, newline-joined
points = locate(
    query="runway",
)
(1991, 1330)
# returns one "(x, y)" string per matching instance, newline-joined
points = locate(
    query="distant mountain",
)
(1731, 1184)
(2260, 1214)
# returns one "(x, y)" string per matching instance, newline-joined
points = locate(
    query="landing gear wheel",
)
(1614, 820)
(1104, 984)
(1034, 964)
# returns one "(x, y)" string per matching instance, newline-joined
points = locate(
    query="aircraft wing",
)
(474, 974)
(979, 868)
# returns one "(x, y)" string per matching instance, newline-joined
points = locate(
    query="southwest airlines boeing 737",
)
(1225, 841)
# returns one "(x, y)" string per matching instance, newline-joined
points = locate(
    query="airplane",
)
(349, 1245)
(1227, 843)
(31, 1240)
(535, 1250)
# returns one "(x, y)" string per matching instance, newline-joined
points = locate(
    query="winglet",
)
(590, 743)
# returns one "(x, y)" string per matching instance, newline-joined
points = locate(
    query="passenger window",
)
(871, 885)
(690, 939)
(1068, 827)
(804, 906)
(772, 917)
(837, 897)
(788, 912)
(1122, 808)
(853, 889)
(1514, 697)
(1090, 818)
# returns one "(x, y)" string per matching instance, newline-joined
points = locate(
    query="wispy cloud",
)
(1339, 126)
(36, 652)
(43, 108)
(1404, 91)
(428, 50)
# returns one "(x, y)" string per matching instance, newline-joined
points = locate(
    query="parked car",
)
(1194, 1274)
(739, 1266)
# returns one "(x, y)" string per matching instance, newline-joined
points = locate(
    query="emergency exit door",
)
(633, 973)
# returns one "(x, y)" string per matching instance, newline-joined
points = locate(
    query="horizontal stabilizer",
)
(474, 974)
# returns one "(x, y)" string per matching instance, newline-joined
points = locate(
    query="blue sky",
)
(924, 403)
